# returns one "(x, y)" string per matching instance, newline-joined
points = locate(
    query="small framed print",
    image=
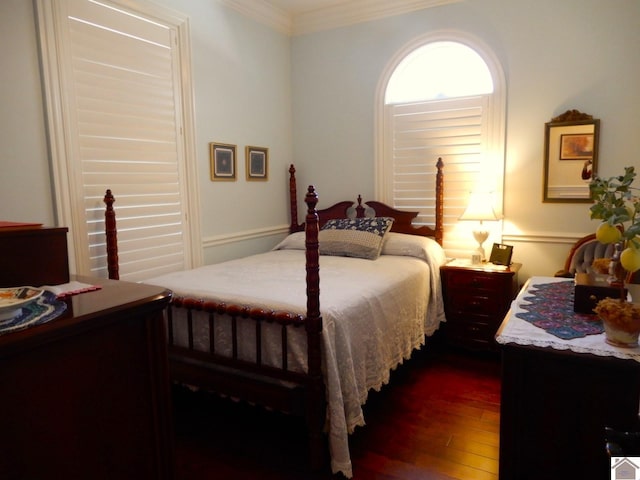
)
(576, 146)
(222, 158)
(257, 163)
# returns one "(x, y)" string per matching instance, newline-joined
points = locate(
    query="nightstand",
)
(476, 299)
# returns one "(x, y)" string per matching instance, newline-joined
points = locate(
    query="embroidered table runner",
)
(550, 307)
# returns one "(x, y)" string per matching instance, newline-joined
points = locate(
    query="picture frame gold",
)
(222, 160)
(570, 157)
(257, 163)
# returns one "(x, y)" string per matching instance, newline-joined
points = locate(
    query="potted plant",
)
(618, 207)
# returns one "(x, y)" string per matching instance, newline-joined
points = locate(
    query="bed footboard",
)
(246, 353)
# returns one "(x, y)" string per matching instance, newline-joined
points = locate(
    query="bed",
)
(261, 330)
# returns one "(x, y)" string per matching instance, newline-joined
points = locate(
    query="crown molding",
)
(263, 12)
(327, 18)
(358, 11)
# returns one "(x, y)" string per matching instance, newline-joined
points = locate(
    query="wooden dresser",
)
(33, 255)
(86, 395)
(558, 396)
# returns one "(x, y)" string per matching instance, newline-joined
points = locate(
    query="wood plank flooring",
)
(438, 419)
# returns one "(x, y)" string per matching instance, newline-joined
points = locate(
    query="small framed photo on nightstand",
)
(501, 254)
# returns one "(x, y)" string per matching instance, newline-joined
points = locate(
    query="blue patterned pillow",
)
(354, 237)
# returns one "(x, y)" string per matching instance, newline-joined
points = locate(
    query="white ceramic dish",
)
(13, 299)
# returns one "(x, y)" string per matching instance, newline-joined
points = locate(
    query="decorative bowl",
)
(13, 299)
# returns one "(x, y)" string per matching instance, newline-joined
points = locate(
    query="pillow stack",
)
(357, 237)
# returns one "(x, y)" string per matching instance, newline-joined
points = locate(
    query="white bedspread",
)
(375, 313)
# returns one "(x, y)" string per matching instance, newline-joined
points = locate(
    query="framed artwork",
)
(257, 163)
(571, 157)
(576, 146)
(222, 159)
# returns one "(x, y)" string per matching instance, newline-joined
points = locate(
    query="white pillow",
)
(417, 246)
(354, 237)
(293, 241)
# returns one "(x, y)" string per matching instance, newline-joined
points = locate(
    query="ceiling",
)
(296, 17)
(297, 7)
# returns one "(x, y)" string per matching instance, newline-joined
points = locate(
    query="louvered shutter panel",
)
(454, 129)
(124, 100)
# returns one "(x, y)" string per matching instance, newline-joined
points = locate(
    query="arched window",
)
(442, 96)
(439, 70)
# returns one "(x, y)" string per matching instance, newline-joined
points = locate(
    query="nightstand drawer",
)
(470, 302)
(471, 334)
(464, 281)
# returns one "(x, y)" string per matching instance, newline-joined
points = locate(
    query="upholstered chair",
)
(582, 255)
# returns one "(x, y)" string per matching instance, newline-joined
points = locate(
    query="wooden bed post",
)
(439, 202)
(313, 324)
(111, 237)
(293, 200)
(360, 210)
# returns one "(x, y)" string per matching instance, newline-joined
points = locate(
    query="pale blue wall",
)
(25, 185)
(242, 84)
(557, 55)
(242, 90)
(310, 99)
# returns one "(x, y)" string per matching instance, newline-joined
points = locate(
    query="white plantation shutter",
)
(123, 108)
(443, 96)
(420, 133)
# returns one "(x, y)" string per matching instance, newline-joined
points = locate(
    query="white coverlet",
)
(375, 313)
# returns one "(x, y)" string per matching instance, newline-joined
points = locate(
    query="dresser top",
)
(518, 327)
(114, 301)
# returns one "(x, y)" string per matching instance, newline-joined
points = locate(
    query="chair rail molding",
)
(542, 237)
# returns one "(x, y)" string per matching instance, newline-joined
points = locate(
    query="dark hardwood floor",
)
(438, 419)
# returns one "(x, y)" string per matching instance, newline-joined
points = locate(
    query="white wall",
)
(557, 56)
(25, 186)
(310, 100)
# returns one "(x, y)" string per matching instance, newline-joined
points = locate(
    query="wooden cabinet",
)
(86, 395)
(476, 299)
(556, 402)
(33, 256)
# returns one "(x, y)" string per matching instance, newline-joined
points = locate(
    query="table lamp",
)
(480, 208)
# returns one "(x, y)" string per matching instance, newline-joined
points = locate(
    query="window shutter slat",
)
(423, 131)
(124, 99)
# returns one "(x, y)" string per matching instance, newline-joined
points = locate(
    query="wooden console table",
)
(87, 394)
(558, 396)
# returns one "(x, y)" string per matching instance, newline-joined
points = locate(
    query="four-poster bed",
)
(283, 344)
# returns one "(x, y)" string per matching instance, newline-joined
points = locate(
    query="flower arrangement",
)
(616, 204)
(601, 265)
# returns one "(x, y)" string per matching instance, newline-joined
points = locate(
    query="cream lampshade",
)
(479, 209)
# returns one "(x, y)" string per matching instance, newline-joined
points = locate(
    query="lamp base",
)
(480, 236)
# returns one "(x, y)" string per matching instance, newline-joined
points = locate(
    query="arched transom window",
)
(442, 98)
